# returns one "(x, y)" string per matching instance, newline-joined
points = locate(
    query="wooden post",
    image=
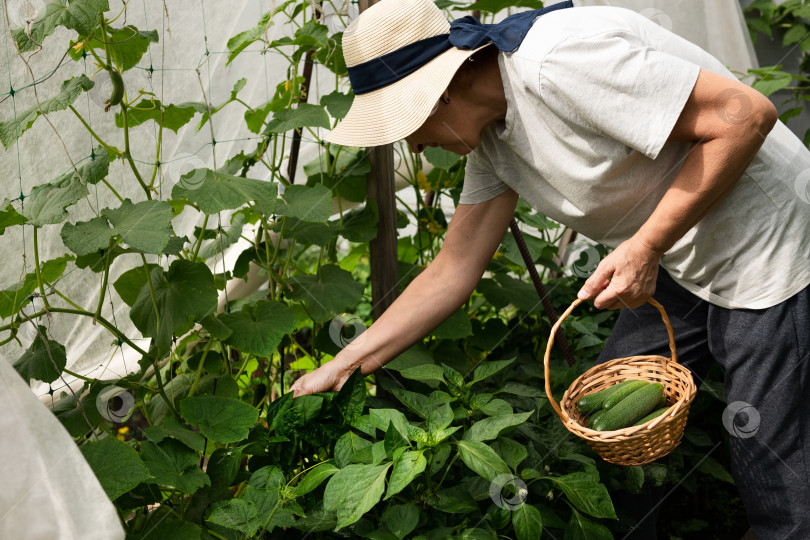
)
(383, 249)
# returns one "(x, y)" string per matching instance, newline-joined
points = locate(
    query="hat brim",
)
(395, 111)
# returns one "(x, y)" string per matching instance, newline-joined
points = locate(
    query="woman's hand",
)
(330, 377)
(625, 278)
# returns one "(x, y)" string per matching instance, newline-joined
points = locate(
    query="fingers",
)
(598, 282)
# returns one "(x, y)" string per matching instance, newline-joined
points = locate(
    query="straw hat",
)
(395, 111)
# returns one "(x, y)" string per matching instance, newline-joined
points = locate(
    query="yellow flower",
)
(78, 46)
(123, 430)
(286, 86)
(422, 181)
(497, 256)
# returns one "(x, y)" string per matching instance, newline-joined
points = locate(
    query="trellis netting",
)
(181, 53)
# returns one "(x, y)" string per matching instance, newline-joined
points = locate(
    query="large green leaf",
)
(79, 15)
(307, 203)
(238, 514)
(354, 490)
(351, 398)
(401, 519)
(13, 298)
(240, 41)
(527, 522)
(314, 478)
(305, 115)
(361, 225)
(415, 401)
(172, 117)
(425, 372)
(92, 169)
(337, 103)
(127, 45)
(184, 294)
(9, 216)
(47, 203)
(482, 459)
(586, 494)
(44, 360)
(582, 528)
(220, 191)
(223, 420)
(172, 464)
(258, 328)
(11, 130)
(116, 465)
(129, 284)
(346, 446)
(381, 418)
(489, 428)
(144, 226)
(171, 427)
(488, 369)
(327, 294)
(456, 326)
(406, 468)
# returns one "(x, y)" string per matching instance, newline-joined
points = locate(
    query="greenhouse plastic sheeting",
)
(49, 491)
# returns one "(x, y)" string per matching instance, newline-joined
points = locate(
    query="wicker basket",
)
(634, 445)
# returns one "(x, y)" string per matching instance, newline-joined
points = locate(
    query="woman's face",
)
(453, 127)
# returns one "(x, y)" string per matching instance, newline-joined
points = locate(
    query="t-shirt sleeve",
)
(480, 182)
(616, 85)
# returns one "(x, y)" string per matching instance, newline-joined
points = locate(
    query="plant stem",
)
(104, 279)
(38, 271)
(199, 368)
(105, 323)
(200, 238)
(89, 129)
(128, 155)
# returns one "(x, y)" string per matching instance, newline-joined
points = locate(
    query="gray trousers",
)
(765, 356)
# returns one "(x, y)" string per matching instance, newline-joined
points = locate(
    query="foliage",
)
(460, 443)
(787, 22)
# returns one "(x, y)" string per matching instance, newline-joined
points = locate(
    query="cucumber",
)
(623, 392)
(593, 401)
(594, 417)
(631, 409)
(117, 89)
(655, 414)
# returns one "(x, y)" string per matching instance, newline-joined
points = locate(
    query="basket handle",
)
(566, 314)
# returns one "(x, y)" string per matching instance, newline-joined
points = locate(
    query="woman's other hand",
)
(625, 278)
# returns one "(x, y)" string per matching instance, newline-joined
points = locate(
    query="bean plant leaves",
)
(116, 465)
(582, 528)
(406, 468)
(527, 522)
(307, 203)
(237, 514)
(314, 478)
(47, 203)
(327, 294)
(489, 428)
(11, 130)
(183, 295)
(221, 191)
(482, 459)
(9, 216)
(351, 398)
(586, 494)
(223, 420)
(258, 328)
(78, 15)
(401, 519)
(127, 45)
(13, 298)
(44, 360)
(346, 446)
(172, 117)
(488, 369)
(305, 115)
(353, 491)
(425, 372)
(416, 402)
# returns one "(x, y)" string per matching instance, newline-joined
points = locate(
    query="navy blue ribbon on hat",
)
(466, 33)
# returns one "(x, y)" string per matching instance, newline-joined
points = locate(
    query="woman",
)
(608, 123)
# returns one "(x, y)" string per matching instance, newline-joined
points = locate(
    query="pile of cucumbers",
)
(629, 403)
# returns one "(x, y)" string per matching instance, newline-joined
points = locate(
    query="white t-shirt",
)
(593, 94)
